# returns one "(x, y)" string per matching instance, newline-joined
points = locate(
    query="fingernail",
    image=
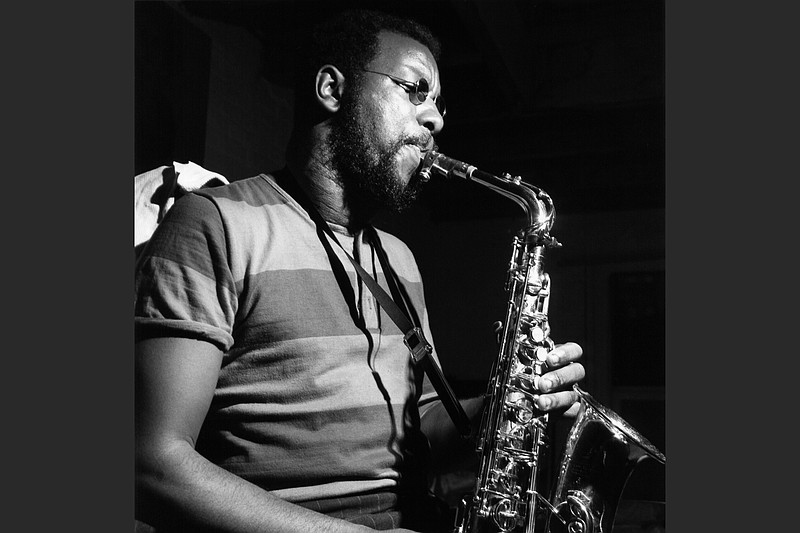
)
(546, 384)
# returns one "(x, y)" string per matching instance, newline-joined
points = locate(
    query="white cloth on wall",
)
(155, 191)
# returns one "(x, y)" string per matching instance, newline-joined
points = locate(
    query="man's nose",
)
(428, 116)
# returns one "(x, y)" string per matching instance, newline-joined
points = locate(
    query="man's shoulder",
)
(259, 190)
(239, 187)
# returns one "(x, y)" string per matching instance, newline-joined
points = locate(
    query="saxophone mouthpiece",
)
(424, 171)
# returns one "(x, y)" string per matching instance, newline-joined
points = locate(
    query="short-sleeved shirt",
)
(317, 397)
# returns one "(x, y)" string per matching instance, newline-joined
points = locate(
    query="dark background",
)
(568, 94)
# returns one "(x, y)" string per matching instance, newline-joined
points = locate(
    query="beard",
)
(367, 167)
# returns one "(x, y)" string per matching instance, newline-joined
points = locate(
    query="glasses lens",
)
(420, 92)
(440, 105)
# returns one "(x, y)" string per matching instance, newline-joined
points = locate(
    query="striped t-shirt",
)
(317, 397)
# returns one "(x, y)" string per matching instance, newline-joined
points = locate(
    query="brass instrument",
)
(601, 449)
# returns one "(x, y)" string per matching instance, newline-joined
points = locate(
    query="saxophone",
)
(601, 449)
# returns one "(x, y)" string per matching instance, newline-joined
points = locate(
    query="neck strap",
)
(413, 336)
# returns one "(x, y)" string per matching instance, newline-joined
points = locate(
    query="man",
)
(272, 392)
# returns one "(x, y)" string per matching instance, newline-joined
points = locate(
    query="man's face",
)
(379, 135)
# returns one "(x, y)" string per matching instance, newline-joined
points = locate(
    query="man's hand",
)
(556, 384)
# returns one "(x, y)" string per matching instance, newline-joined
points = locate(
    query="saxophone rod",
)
(436, 162)
(536, 203)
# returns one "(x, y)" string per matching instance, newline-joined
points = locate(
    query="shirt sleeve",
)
(183, 283)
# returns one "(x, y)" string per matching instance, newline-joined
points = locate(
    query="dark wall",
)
(171, 74)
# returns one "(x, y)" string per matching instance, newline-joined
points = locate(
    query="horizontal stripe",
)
(300, 303)
(309, 375)
(312, 448)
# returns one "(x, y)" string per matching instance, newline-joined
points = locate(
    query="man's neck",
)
(327, 194)
(311, 169)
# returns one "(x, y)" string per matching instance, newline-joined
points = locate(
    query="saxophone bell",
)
(600, 454)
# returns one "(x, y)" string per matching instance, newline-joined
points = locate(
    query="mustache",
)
(422, 141)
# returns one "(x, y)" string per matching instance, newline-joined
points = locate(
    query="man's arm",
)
(449, 450)
(175, 382)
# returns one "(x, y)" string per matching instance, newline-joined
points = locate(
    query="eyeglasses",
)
(417, 92)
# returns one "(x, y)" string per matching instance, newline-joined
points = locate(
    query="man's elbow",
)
(161, 460)
(158, 470)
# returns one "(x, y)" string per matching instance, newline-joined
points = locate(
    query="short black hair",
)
(349, 41)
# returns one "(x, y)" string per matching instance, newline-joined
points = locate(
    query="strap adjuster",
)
(417, 344)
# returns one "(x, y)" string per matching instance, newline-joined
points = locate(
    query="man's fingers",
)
(565, 400)
(563, 354)
(561, 377)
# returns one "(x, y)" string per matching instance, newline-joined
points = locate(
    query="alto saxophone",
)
(601, 448)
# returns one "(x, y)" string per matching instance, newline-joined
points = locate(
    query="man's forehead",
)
(400, 50)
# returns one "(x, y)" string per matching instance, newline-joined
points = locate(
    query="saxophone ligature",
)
(601, 449)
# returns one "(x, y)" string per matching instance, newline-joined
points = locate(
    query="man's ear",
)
(329, 88)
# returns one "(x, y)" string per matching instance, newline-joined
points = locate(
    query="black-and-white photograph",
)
(400, 265)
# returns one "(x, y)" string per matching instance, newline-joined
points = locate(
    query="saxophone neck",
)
(537, 204)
